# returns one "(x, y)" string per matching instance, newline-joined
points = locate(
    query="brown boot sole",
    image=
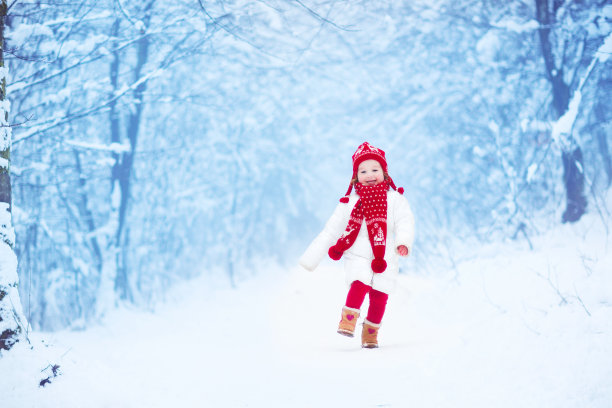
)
(346, 333)
(369, 345)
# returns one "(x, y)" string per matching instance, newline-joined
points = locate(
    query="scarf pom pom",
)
(400, 190)
(344, 200)
(379, 265)
(334, 253)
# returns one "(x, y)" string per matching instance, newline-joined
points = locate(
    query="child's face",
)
(370, 173)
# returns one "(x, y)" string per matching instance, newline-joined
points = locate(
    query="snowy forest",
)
(147, 143)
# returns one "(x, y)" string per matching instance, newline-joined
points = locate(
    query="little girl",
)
(370, 253)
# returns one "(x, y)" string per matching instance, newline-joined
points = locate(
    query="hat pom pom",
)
(344, 200)
(400, 190)
(334, 253)
(379, 265)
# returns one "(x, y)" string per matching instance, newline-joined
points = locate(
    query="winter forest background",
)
(153, 141)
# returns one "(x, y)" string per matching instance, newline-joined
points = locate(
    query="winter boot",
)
(369, 334)
(348, 322)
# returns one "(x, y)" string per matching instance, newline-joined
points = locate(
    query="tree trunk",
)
(124, 170)
(113, 114)
(117, 167)
(105, 297)
(573, 165)
(5, 135)
(573, 178)
(601, 112)
(11, 316)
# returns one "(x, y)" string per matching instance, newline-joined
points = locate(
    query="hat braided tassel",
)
(392, 184)
(345, 199)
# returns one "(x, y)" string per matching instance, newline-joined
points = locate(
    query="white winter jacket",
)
(358, 258)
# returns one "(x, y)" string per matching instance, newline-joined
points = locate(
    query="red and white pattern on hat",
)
(366, 152)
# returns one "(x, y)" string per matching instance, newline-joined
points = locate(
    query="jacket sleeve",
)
(404, 223)
(334, 228)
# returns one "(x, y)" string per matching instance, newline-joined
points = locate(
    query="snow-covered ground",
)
(510, 328)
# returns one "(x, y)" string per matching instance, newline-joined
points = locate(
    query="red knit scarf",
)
(372, 205)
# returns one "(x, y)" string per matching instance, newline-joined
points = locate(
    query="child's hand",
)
(402, 250)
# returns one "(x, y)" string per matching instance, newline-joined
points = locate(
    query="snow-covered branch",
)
(563, 127)
(37, 129)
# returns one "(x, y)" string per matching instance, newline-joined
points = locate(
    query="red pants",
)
(378, 300)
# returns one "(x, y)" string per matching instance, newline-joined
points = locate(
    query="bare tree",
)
(122, 170)
(11, 317)
(573, 164)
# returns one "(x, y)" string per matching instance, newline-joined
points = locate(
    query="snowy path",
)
(497, 338)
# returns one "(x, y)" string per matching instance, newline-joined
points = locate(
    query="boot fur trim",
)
(366, 321)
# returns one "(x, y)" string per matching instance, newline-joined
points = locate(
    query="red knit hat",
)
(368, 152)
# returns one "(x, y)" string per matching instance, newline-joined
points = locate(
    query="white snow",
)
(604, 51)
(4, 73)
(517, 26)
(23, 31)
(488, 47)
(5, 107)
(6, 228)
(564, 125)
(494, 127)
(83, 46)
(478, 151)
(509, 328)
(8, 260)
(112, 147)
(8, 278)
(531, 171)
